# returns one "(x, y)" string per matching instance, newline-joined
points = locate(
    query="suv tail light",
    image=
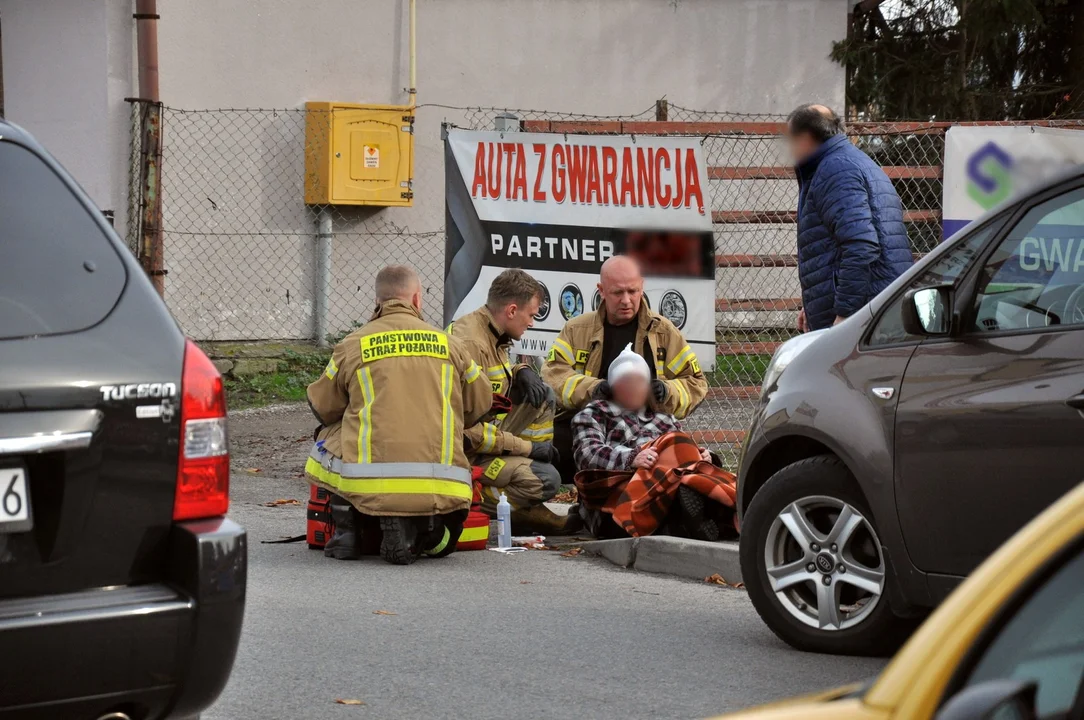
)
(203, 470)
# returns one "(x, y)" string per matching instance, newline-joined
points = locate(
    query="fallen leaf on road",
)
(572, 553)
(383, 612)
(718, 579)
(252, 470)
(281, 501)
(524, 582)
(348, 701)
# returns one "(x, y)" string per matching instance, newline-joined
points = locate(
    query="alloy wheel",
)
(824, 563)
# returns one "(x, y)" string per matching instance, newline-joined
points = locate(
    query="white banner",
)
(559, 205)
(985, 165)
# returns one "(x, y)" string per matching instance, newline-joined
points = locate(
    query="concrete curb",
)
(695, 559)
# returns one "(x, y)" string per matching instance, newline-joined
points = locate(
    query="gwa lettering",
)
(1065, 254)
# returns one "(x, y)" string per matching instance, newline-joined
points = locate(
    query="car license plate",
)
(15, 513)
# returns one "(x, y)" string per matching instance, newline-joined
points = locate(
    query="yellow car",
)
(1007, 644)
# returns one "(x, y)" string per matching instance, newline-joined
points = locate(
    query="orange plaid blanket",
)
(640, 501)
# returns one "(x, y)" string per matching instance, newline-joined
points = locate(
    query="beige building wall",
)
(240, 243)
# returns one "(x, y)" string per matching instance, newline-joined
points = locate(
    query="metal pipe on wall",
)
(151, 252)
(323, 276)
(413, 56)
(146, 17)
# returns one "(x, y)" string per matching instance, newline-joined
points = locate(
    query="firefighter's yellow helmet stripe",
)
(448, 424)
(365, 416)
(388, 485)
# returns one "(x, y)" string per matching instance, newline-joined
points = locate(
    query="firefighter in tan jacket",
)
(392, 404)
(515, 451)
(581, 354)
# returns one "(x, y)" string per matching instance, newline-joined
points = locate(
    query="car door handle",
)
(1076, 401)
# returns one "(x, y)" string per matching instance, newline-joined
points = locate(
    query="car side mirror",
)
(1002, 699)
(928, 311)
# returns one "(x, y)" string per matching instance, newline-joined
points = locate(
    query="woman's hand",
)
(705, 455)
(646, 459)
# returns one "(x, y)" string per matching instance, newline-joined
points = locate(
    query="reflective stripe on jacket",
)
(573, 364)
(489, 347)
(394, 400)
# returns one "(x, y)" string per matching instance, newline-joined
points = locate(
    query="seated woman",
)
(617, 434)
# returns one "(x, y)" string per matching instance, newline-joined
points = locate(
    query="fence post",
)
(323, 276)
(151, 252)
(662, 110)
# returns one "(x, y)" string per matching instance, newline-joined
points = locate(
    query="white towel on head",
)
(626, 363)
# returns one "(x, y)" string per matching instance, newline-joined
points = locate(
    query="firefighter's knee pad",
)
(549, 477)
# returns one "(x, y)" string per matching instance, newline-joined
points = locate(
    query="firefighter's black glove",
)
(530, 388)
(543, 452)
(659, 391)
(602, 391)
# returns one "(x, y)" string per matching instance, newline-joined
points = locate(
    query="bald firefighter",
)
(392, 404)
(515, 452)
(577, 363)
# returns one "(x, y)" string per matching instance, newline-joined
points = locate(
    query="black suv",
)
(122, 583)
(889, 455)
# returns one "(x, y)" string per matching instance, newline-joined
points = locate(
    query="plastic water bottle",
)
(504, 523)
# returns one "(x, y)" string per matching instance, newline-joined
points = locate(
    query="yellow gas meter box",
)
(359, 154)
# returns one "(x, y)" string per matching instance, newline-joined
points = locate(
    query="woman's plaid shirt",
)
(606, 436)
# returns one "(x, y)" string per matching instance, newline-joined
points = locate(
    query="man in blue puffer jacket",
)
(851, 239)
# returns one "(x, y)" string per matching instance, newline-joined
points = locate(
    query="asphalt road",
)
(481, 635)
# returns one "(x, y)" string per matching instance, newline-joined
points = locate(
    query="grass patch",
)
(288, 384)
(738, 370)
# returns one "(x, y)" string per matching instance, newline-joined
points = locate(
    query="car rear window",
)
(59, 272)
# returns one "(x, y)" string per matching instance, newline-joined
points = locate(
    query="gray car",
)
(890, 454)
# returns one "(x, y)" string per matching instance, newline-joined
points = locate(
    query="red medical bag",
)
(319, 524)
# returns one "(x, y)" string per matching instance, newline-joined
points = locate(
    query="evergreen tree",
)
(964, 59)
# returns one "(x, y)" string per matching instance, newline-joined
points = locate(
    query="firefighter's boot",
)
(443, 536)
(399, 541)
(345, 544)
(540, 520)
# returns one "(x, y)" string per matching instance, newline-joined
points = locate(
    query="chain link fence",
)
(241, 250)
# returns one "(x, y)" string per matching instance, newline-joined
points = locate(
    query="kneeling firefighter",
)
(514, 450)
(392, 404)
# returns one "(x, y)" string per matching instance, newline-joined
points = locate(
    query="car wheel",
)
(813, 562)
